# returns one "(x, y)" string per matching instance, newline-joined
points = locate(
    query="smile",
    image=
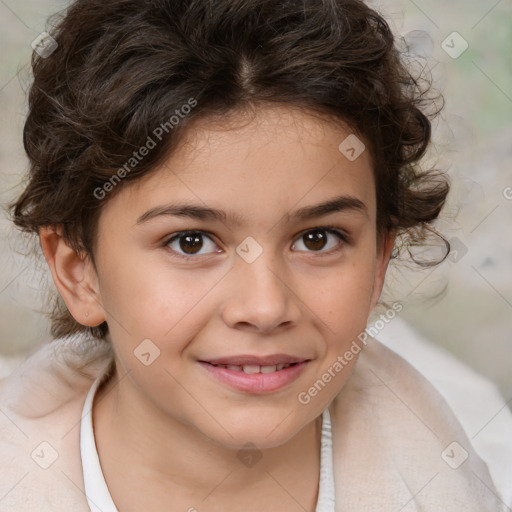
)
(251, 368)
(254, 378)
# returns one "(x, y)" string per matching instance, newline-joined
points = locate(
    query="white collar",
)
(96, 490)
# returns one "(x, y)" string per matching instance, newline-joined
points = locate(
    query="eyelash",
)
(344, 237)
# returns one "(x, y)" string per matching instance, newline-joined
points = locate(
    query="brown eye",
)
(315, 240)
(320, 239)
(190, 243)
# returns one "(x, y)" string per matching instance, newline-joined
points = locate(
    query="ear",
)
(74, 276)
(383, 256)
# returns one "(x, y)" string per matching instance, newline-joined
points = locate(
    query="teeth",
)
(249, 368)
(252, 368)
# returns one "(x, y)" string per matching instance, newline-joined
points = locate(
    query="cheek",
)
(342, 306)
(343, 299)
(154, 300)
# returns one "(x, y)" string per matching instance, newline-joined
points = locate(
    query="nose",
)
(259, 298)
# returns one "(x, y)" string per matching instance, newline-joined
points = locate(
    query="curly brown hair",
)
(123, 67)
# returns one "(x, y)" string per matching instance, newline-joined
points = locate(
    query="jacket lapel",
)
(397, 445)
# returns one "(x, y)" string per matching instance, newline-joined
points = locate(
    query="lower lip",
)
(255, 382)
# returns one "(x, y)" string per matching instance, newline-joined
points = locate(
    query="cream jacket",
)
(397, 446)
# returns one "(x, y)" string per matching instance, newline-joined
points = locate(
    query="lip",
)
(244, 359)
(255, 383)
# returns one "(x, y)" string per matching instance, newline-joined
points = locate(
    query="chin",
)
(260, 430)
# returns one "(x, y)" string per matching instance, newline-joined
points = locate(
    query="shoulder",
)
(395, 432)
(53, 375)
(41, 404)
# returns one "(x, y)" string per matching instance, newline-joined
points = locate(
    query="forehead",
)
(258, 165)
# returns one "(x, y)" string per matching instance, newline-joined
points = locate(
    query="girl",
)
(218, 188)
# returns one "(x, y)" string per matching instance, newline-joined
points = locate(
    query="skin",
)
(183, 427)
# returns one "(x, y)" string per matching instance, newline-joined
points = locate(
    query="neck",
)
(178, 455)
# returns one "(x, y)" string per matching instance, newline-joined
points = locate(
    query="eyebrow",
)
(335, 205)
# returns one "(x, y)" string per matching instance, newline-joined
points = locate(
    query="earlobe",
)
(74, 276)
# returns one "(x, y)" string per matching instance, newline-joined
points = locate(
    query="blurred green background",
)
(473, 140)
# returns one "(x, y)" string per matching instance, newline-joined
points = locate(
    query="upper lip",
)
(270, 360)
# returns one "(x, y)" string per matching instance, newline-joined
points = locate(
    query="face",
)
(221, 267)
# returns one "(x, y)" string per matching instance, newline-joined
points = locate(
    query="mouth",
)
(253, 368)
(254, 374)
